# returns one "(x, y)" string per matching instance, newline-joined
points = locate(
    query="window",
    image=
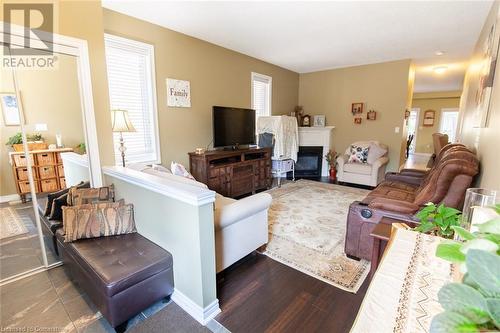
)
(261, 94)
(448, 123)
(131, 80)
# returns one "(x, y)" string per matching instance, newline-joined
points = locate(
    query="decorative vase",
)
(333, 174)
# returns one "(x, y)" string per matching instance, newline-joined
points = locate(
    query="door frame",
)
(417, 110)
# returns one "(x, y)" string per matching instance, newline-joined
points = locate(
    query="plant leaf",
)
(492, 237)
(479, 244)
(450, 251)
(493, 305)
(464, 234)
(484, 269)
(492, 226)
(465, 300)
(452, 322)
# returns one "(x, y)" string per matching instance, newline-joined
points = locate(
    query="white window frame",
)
(151, 73)
(269, 79)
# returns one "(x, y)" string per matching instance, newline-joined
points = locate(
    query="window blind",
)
(261, 94)
(131, 87)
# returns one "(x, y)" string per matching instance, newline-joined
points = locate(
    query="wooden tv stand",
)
(233, 173)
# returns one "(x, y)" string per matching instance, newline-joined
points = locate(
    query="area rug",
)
(307, 225)
(10, 223)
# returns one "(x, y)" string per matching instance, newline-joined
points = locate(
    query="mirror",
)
(57, 128)
(20, 243)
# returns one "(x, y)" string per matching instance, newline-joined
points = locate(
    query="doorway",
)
(448, 123)
(413, 128)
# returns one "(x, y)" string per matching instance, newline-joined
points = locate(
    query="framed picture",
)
(319, 121)
(10, 109)
(357, 120)
(357, 108)
(371, 115)
(178, 93)
(429, 117)
(306, 121)
(490, 49)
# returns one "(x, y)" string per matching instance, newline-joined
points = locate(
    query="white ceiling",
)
(312, 36)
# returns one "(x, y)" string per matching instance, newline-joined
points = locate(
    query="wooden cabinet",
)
(48, 170)
(233, 173)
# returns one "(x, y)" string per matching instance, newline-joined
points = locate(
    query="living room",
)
(275, 236)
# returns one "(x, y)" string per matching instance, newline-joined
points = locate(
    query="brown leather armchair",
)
(445, 183)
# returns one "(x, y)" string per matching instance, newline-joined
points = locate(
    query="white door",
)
(448, 123)
(413, 127)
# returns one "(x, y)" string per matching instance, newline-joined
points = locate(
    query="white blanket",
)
(286, 135)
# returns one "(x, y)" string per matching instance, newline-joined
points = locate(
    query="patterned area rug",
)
(307, 224)
(10, 223)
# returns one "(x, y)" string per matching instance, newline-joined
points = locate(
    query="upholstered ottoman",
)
(122, 275)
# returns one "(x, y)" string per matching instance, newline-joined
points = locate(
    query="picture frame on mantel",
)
(319, 121)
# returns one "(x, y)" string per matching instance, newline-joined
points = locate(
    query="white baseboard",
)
(9, 197)
(202, 315)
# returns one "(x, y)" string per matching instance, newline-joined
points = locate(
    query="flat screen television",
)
(233, 127)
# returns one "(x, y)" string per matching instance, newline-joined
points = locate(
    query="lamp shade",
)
(120, 121)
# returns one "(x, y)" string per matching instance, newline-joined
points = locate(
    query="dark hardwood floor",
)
(259, 294)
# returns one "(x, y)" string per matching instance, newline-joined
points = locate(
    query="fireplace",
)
(309, 162)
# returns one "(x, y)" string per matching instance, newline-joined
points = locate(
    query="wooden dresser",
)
(48, 170)
(233, 173)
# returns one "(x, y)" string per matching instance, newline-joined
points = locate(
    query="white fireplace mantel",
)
(318, 137)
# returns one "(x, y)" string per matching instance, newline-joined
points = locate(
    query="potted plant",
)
(331, 158)
(35, 141)
(438, 220)
(473, 303)
(81, 148)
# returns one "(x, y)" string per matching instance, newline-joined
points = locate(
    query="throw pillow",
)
(51, 197)
(358, 154)
(81, 196)
(98, 220)
(81, 185)
(56, 213)
(375, 153)
(179, 170)
(161, 168)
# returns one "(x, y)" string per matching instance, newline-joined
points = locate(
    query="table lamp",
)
(121, 123)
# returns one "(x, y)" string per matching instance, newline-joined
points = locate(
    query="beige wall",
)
(485, 141)
(432, 101)
(43, 103)
(217, 76)
(383, 87)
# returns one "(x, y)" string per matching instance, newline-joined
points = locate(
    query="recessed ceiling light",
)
(439, 53)
(440, 69)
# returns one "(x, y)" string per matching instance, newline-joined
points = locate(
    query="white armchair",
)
(370, 173)
(240, 227)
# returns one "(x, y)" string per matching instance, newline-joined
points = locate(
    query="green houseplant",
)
(16, 139)
(438, 220)
(473, 305)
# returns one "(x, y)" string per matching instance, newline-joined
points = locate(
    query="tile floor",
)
(50, 301)
(22, 253)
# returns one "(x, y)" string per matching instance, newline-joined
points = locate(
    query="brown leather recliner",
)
(445, 183)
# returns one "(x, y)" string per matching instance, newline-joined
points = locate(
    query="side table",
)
(381, 235)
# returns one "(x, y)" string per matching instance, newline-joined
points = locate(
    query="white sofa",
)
(370, 174)
(241, 226)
